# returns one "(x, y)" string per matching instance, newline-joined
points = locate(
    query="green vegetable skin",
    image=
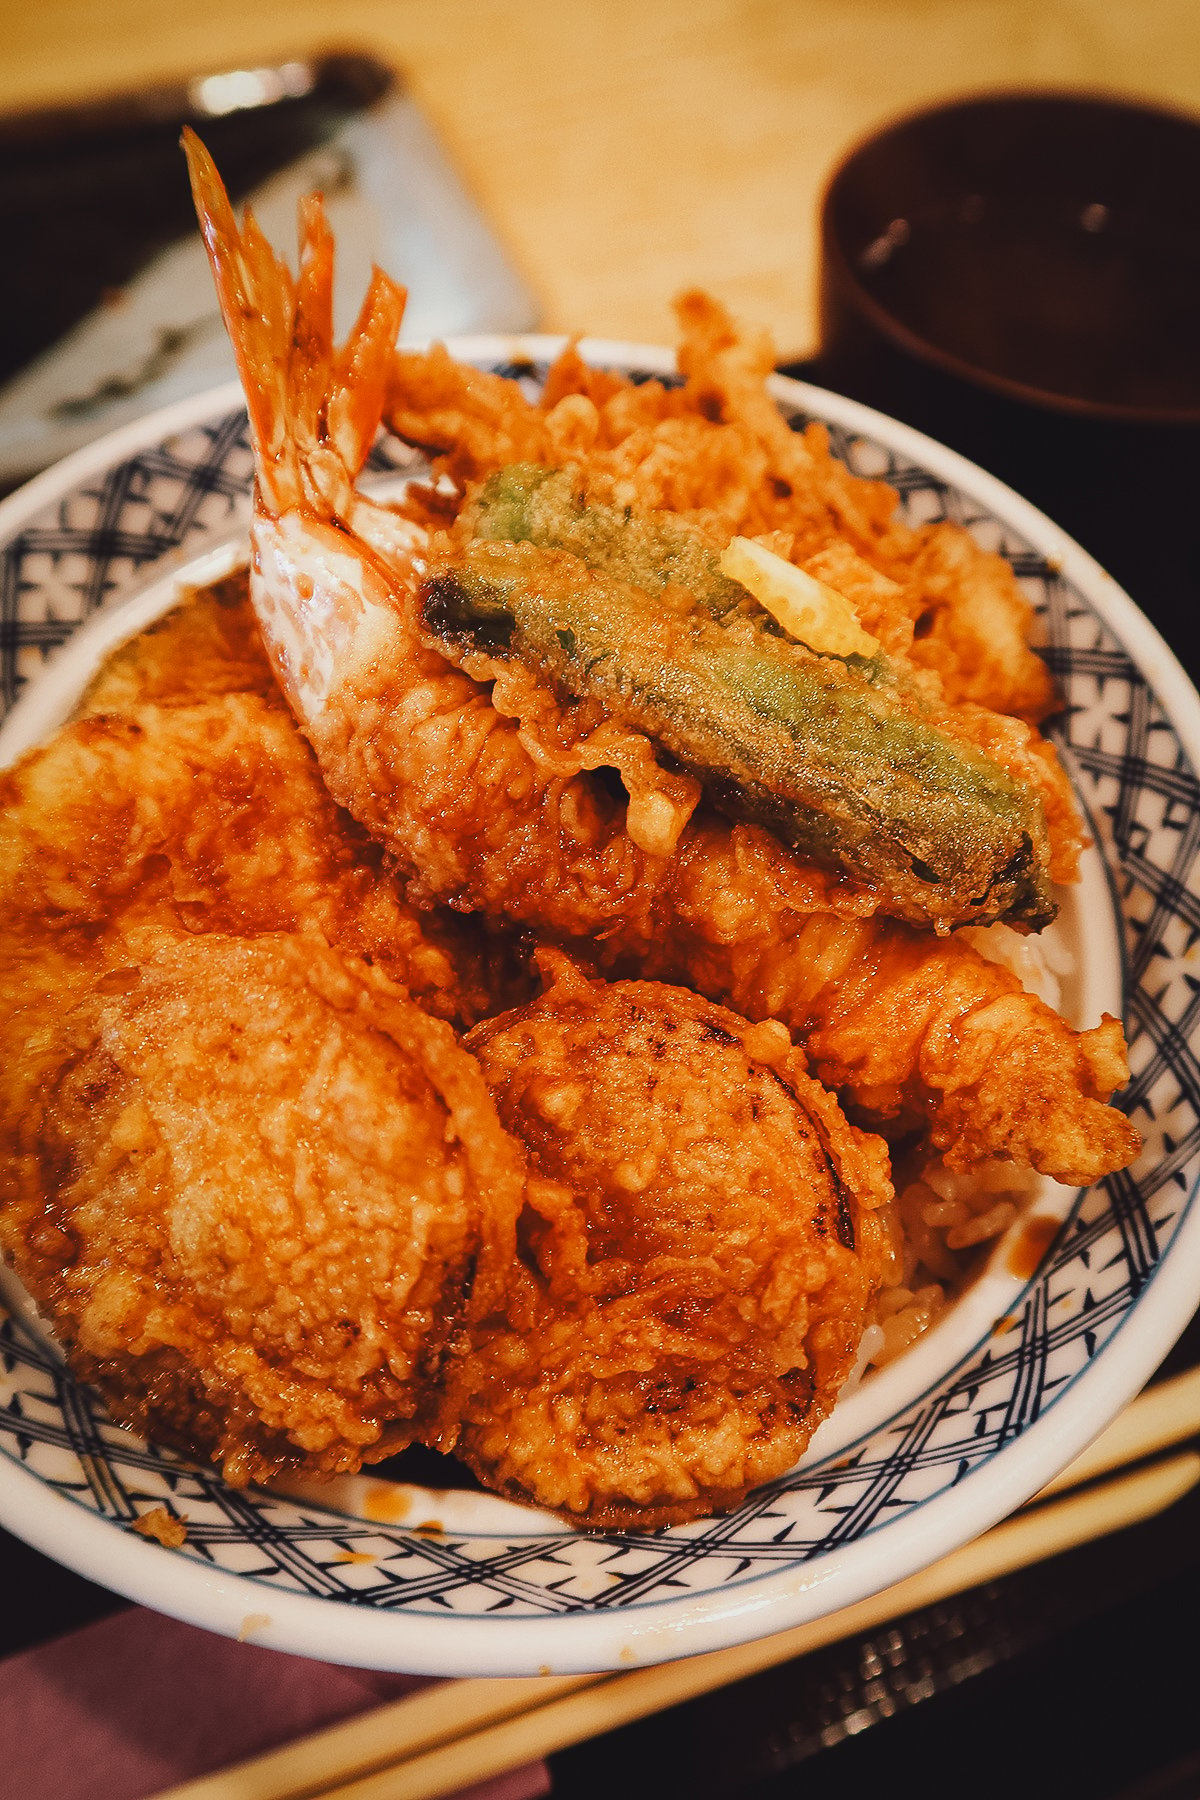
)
(832, 755)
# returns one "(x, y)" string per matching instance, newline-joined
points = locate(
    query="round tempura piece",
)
(698, 1256)
(255, 1191)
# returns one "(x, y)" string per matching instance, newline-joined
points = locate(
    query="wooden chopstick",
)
(459, 1732)
(621, 1698)
(1161, 1415)
(389, 1735)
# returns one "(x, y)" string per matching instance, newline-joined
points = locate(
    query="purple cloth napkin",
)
(139, 1702)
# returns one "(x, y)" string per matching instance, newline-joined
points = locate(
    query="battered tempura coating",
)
(505, 802)
(267, 1205)
(497, 814)
(211, 813)
(719, 450)
(206, 646)
(255, 1190)
(910, 1029)
(844, 758)
(695, 1275)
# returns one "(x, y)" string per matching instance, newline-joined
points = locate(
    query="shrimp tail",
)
(326, 562)
(314, 409)
(258, 303)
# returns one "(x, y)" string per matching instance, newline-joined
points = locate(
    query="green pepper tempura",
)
(838, 756)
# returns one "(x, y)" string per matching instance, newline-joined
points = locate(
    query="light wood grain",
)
(1165, 1414)
(627, 148)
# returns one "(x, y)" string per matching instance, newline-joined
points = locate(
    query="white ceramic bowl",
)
(1019, 1376)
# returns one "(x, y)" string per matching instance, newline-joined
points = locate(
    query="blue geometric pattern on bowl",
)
(100, 542)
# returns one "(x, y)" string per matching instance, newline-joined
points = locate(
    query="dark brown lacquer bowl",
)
(1019, 275)
(1046, 246)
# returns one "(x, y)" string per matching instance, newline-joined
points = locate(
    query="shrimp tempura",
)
(488, 789)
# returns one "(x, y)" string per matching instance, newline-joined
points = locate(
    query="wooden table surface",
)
(624, 149)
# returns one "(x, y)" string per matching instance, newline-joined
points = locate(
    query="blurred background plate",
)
(107, 309)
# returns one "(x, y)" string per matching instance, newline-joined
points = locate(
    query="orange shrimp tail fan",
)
(314, 409)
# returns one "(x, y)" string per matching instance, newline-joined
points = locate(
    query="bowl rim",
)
(177, 1583)
(838, 274)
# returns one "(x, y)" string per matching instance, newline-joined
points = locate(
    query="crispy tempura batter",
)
(695, 1274)
(266, 1203)
(487, 791)
(212, 813)
(254, 1188)
(266, 1199)
(845, 758)
(256, 1191)
(208, 646)
(497, 818)
(719, 450)
(910, 1028)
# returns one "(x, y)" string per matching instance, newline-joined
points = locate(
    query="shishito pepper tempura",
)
(841, 757)
(645, 699)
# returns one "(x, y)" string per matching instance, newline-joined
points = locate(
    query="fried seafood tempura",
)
(212, 813)
(489, 792)
(268, 1201)
(910, 1029)
(698, 1256)
(255, 1190)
